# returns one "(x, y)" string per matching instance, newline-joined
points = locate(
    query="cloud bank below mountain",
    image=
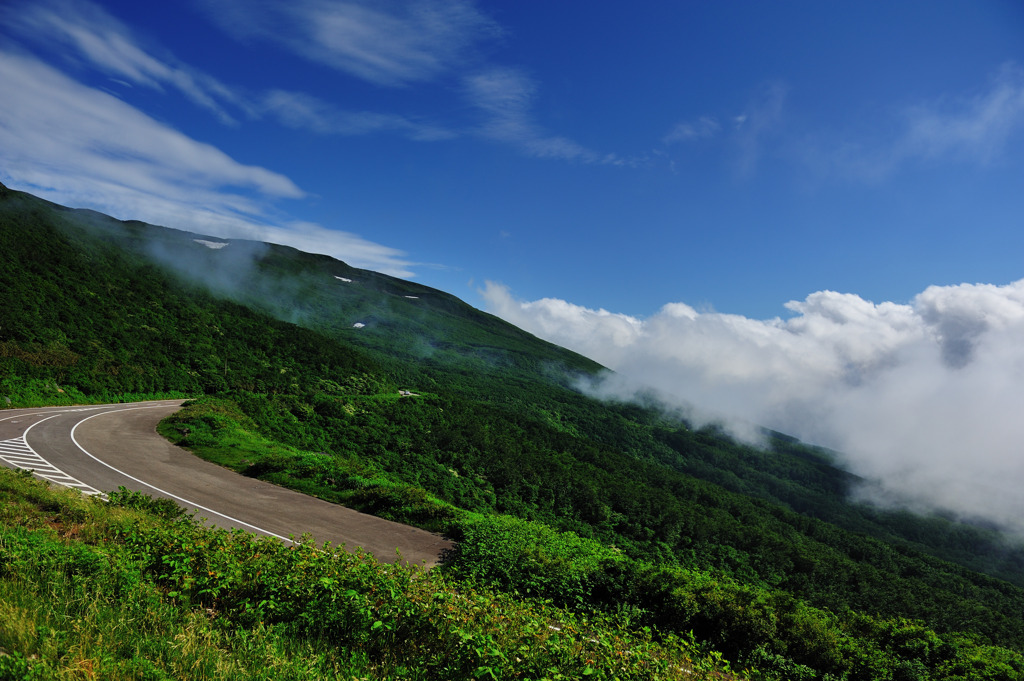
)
(924, 397)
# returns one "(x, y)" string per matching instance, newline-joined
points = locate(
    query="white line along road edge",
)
(154, 487)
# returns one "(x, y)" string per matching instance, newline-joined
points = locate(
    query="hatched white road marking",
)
(17, 453)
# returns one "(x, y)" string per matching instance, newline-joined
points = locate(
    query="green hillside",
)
(600, 508)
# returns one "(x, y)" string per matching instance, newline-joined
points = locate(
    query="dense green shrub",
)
(157, 598)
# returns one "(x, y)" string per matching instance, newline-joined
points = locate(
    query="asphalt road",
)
(97, 449)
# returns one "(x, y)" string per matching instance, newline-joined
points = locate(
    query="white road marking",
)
(17, 453)
(154, 487)
(20, 416)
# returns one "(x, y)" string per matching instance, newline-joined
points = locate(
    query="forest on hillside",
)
(613, 508)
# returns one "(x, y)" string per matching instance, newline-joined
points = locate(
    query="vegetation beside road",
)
(772, 630)
(132, 589)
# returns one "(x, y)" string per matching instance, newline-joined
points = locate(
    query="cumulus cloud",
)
(925, 397)
(79, 146)
(389, 44)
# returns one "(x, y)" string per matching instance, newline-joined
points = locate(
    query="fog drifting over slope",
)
(928, 397)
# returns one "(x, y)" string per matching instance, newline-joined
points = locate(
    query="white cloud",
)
(393, 44)
(90, 32)
(87, 31)
(704, 127)
(62, 123)
(81, 147)
(313, 238)
(925, 396)
(762, 118)
(977, 129)
(385, 43)
(749, 133)
(505, 96)
(974, 129)
(575, 326)
(298, 110)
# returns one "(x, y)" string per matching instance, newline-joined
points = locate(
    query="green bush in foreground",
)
(157, 596)
(765, 630)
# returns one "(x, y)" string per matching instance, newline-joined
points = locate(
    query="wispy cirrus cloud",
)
(54, 117)
(924, 397)
(967, 129)
(761, 119)
(389, 44)
(303, 111)
(385, 44)
(78, 146)
(748, 133)
(92, 33)
(704, 127)
(394, 45)
(505, 97)
(976, 128)
(87, 32)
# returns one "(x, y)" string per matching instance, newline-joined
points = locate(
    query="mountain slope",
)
(81, 313)
(96, 308)
(367, 309)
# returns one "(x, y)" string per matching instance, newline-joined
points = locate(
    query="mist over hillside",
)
(922, 399)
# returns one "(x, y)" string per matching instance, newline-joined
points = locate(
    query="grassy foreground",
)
(133, 589)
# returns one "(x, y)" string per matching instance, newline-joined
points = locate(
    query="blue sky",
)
(807, 215)
(733, 155)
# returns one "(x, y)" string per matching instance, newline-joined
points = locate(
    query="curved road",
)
(100, 448)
